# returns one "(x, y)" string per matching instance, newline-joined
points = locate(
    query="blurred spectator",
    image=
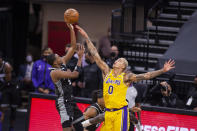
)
(162, 95)
(191, 102)
(24, 76)
(9, 91)
(113, 56)
(41, 74)
(91, 77)
(105, 46)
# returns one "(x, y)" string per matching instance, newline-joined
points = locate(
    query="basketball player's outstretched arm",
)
(72, 49)
(98, 119)
(58, 74)
(102, 65)
(149, 75)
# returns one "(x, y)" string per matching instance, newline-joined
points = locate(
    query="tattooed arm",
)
(98, 119)
(130, 77)
(102, 65)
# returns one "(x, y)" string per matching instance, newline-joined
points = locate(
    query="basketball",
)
(71, 16)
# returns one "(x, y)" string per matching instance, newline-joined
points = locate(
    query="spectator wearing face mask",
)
(41, 74)
(24, 75)
(113, 56)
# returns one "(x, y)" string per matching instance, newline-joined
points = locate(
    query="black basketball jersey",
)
(63, 91)
(64, 87)
(99, 111)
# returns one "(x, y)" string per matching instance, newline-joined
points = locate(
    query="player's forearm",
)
(73, 39)
(78, 69)
(98, 119)
(92, 49)
(74, 74)
(149, 75)
(79, 62)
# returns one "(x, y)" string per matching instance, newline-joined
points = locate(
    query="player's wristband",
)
(86, 123)
(78, 69)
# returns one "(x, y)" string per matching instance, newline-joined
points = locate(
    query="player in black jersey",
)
(60, 76)
(95, 109)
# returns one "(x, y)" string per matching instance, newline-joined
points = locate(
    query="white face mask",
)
(29, 58)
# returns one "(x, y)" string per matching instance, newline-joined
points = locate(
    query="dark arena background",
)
(145, 32)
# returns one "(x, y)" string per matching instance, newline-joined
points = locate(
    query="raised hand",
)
(70, 26)
(82, 32)
(168, 65)
(80, 51)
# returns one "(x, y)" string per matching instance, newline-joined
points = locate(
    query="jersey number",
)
(110, 90)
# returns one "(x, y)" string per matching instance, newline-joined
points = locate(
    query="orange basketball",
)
(71, 16)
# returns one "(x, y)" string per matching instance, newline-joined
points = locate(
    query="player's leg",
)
(66, 120)
(77, 114)
(14, 96)
(133, 120)
(122, 120)
(108, 123)
(5, 102)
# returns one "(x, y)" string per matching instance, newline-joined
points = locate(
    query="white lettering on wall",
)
(154, 128)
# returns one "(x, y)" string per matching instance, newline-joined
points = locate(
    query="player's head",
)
(54, 60)
(47, 51)
(97, 96)
(120, 63)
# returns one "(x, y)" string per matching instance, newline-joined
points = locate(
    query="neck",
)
(117, 71)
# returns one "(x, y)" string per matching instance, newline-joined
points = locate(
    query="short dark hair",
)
(43, 50)
(50, 59)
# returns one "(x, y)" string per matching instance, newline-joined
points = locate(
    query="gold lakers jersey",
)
(114, 91)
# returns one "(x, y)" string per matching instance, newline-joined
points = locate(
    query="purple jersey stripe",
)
(124, 120)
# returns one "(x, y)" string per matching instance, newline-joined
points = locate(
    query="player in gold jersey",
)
(115, 86)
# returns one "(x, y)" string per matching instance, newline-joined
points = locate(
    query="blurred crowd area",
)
(34, 76)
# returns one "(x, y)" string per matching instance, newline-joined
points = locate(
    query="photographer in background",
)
(162, 95)
(191, 102)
